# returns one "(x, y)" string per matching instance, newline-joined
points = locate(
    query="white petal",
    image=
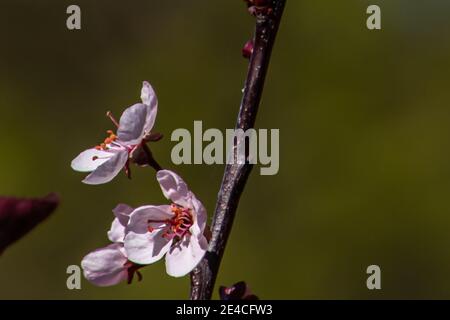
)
(122, 212)
(135, 122)
(105, 266)
(117, 231)
(174, 188)
(109, 169)
(90, 159)
(146, 248)
(200, 216)
(148, 95)
(139, 218)
(184, 256)
(141, 245)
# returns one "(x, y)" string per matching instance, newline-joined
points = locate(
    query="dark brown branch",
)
(235, 176)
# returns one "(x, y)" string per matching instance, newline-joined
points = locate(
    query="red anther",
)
(178, 225)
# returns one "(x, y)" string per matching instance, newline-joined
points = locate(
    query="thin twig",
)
(203, 277)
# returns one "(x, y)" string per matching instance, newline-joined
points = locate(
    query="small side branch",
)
(235, 176)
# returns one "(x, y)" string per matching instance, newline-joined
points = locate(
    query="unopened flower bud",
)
(247, 50)
(238, 291)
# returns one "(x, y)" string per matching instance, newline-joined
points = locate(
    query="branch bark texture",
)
(203, 277)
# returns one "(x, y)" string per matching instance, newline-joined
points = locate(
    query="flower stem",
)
(203, 277)
(151, 160)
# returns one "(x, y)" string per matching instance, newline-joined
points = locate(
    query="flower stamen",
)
(176, 227)
(111, 117)
(110, 139)
(180, 224)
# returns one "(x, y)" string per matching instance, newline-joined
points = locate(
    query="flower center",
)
(178, 225)
(111, 135)
(110, 139)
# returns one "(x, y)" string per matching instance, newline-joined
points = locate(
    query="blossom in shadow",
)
(109, 265)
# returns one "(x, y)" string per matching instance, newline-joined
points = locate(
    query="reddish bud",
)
(259, 7)
(258, 3)
(238, 291)
(247, 51)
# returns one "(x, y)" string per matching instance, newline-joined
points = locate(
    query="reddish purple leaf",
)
(20, 215)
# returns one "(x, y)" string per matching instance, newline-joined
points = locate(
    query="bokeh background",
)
(364, 126)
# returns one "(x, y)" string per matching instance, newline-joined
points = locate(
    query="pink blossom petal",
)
(90, 159)
(122, 212)
(109, 169)
(132, 124)
(135, 122)
(148, 95)
(117, 231)
(184, 256)
(146, 248)
(140, 217)
(106, 266)
(143, 246)
(174, 188)
(200, 216)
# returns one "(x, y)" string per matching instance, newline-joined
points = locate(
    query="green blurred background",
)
(364, 135)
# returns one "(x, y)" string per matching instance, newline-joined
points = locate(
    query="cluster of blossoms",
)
(141, 236)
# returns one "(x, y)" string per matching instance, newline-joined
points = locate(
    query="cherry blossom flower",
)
(109, 265)
(106, 160)
(175, 231)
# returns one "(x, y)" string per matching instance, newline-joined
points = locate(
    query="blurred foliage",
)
(364, 127)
